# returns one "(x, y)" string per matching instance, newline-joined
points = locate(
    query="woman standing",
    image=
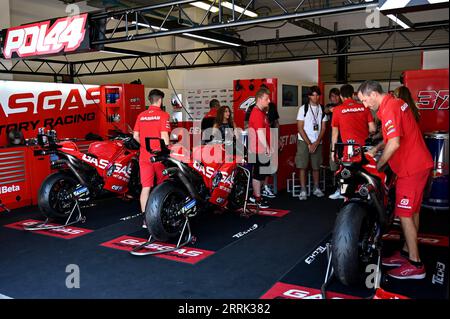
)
(224, 124)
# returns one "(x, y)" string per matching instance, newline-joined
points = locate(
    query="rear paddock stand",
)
(329, 275)
(45, 226)
(186, 232)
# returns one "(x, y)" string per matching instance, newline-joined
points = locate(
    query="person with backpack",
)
(311, 120)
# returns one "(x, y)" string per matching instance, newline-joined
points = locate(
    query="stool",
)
(293, 186)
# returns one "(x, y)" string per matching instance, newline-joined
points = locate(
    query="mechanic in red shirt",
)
(153, 122)
(405, 150)
(259, 145)
(351, 119)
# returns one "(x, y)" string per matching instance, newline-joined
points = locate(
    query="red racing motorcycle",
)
(365, 216)
(194, 186)
(110, 166)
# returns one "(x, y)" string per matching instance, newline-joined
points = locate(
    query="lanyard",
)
(315, 115)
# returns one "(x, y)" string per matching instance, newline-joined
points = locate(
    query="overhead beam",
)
(218, 26)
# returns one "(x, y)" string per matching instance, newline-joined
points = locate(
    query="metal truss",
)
(35, 67)
(360, 42)
(125, 23)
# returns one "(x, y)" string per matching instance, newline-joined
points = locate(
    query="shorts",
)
(303, 156)
(149, 171)
(261, 167)
(409, 193)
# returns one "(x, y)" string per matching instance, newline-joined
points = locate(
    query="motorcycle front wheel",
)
(350, 233)
(55, 195)
(162, 211)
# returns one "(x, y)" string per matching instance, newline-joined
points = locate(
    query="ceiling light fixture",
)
(239, 9)
(205, 6)
(397, 20)
(145, 25)
(210, 39)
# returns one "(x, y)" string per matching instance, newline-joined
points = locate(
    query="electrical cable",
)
(392, 56)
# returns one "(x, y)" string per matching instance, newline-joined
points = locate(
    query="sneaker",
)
(303, 195)
(336, 195)
(252, 199)
(267, 192)
(144, 225)
(318, 193)
(397, 259)
(262, 203)
(408, 271)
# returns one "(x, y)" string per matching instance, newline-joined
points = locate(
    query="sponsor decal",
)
(282, 290)
(150, 118)
(404, 107)
(64, 35)
(273, 212)
(209, 171)
(59, 98)
(9, 189)
(245, 232)
(433, 100)
(390, 132)
(68, 232)
(319, 250)
(353, 110)
(439, 275)
(185, 254)
(404, 203)
(102, 164)
(249, 101)
(424, 239)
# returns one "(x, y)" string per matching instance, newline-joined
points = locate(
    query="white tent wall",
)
(437, 59)
(385, 85)
(293, 73)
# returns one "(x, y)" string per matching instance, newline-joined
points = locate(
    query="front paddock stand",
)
(45, 226)
(185, 232)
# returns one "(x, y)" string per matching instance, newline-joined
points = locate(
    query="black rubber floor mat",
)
(306, 278)
(211, 232)
(112, 211)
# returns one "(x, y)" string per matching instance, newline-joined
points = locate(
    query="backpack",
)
(307, 108)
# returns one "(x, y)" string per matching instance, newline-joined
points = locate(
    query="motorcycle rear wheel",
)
(163, 204)
(55, 200)
(350, 229)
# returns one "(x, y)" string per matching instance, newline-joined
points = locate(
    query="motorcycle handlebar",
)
(158, 158)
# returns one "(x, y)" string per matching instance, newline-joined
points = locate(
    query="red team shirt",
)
(398, 121)
(151, 123)
(258, 120)
(352, 118)
(211, 113)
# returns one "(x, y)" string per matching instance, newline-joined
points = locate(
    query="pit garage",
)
(76, 77)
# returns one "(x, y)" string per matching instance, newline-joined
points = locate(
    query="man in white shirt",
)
(311, 129)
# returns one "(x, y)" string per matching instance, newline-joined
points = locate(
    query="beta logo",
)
(66, 34)
(9, 189)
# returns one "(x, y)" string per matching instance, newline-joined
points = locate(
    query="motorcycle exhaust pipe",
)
(72, 169)
(380, 210)
(188, 184)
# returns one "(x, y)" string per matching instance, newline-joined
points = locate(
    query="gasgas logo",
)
(209, 171)
(102, 164)
(66, 34)
(9, 189)
(60, 98)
